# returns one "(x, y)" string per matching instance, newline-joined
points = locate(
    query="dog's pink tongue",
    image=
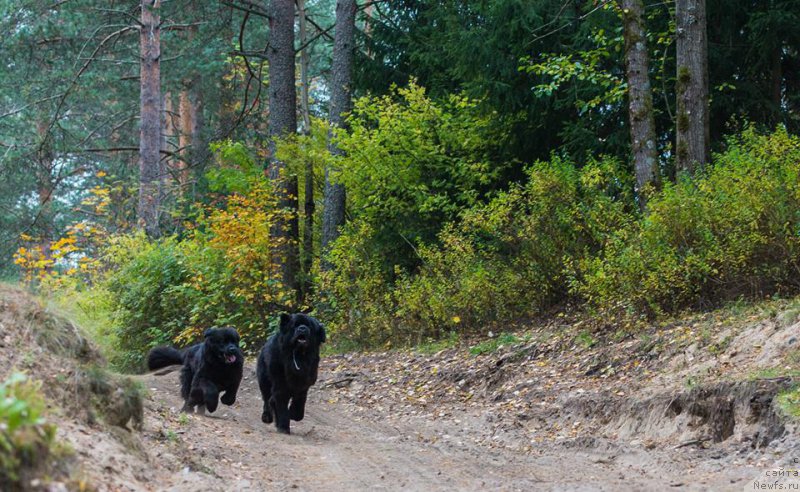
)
(230, 359)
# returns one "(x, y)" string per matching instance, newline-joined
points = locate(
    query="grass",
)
(493, 344)
(720, 347)
(585, 339)
(169, 435)
(92, 311)
(434, 346)
(789, 402)
(789, 368)
(117, 399)
(774, 373)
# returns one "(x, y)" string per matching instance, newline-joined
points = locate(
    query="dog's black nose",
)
(231, 349)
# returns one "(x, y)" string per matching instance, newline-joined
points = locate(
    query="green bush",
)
(26, 439)
(147, 311)
(225, 271)
(356, 293)
(731, 231)
(412, 164)
(504, 260)
(513, 257)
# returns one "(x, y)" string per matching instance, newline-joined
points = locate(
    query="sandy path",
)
(336, 449)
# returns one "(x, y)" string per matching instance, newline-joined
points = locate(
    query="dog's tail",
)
(163, 356)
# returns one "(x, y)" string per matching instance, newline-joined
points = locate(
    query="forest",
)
(436, 168)
(414, 173)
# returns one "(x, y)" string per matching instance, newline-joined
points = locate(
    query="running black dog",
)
(287, 367)
(209, 368)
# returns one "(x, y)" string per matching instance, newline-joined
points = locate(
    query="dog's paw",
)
(281, 430)
(228, 398)
(296, 414)
(266, 417)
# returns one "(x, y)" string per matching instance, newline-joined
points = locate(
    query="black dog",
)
(287, 367)
(209, 368)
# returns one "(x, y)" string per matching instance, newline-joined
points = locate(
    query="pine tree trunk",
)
(283, 122)
(187, 137)
(692, 133)
(776, 79)
(150, 134)
(341, 93)
(308, 205)
(44, 179)
(171, 131)
(226, 116)
(640, 99)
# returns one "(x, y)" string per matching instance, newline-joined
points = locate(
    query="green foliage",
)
(512, 257)
(236, 168)
(26, 438)
(586, 67)
(474, 47)
(733, 231)
(90, 308)
(503, 260)
(225, 272)
(789, 402)
(585, 339)
(493, 344)
(296, 151)
(412, 164)
(234, 266)
(431, 346)
(147, 313)
(358, 296)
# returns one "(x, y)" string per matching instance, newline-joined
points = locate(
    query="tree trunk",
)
(692, 133)
(368, 9)
(283, 122)
(186, 139)
(190, 147)
(150, 134)
(227, 96)
(640, 99)
(776, 80)
(171, 131)
(44, 177)
(341, 93)
(308, 205)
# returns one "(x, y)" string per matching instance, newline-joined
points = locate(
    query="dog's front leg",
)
(209, 392)
(298, 407)
(229, 398)
(194, 398)
(281, 408)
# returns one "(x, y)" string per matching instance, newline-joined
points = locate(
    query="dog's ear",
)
(208, 333)
(319, 329)
(286, 322)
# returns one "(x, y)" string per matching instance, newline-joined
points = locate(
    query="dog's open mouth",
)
(230, 358)
(301, 340)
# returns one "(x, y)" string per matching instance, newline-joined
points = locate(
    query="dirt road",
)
(343, 446)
